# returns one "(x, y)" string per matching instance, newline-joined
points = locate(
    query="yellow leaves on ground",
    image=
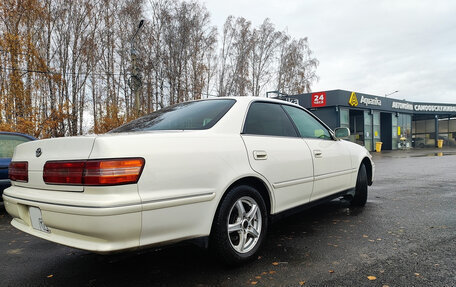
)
(371, 278)
(275, 263)
(14, 251)
(50, 276)
(301, 283)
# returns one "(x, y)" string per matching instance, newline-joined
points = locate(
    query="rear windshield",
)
(198, 115)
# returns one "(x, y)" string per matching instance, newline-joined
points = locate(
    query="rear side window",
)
(268, 119)
(198, 115)
(307, 125)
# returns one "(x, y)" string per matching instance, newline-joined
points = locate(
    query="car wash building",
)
(371, 119)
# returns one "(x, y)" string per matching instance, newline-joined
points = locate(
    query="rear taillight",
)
(63, 172)
(93, 172)
(110, 172)
(18, 171)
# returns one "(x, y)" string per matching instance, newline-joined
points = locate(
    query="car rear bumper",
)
(94, 228)
(109, 219)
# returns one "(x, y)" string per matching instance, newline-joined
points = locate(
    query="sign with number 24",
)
(318, 99)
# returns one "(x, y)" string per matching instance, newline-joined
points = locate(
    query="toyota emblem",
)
(38, 152)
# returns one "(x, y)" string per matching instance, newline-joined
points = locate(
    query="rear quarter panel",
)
(183, 180)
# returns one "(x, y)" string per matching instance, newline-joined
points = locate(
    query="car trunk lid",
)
(37, 153)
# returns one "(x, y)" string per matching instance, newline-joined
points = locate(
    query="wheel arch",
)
(369, 169)
(258, 184)
(253, 181)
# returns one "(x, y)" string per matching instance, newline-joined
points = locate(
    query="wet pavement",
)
(404, 236)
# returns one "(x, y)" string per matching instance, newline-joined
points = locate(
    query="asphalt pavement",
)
(404, 236)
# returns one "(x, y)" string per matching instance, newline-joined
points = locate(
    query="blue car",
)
(8, 141)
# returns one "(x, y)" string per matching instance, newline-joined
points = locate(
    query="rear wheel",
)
(360, 197)
(240, 225)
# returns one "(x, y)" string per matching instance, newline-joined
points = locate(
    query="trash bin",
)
(439, 143)
(378, 146)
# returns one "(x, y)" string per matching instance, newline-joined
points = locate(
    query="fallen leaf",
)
(254, 282)
(272, 272)
(379, 239)
(275, 263)
(331, 271)
(302, 283)
(417, 274)
(264, 273)
(371, 278)
(14, 251)
(50, 276)
(257, 277)
(385, 285)
(365, 236)
(371, 240)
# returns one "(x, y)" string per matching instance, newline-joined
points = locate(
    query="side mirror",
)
(342, 133)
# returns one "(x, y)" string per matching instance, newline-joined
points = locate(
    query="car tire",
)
(240, 226)
(360, 197)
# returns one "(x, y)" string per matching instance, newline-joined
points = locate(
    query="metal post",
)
(436, 118)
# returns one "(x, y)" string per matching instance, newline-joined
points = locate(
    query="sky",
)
(374, 47)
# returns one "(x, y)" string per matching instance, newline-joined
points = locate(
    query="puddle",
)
(434, 154)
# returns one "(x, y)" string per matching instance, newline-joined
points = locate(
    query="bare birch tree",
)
(296, 66)
(67, 64)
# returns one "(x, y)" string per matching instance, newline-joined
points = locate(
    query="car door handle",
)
(260, 155)
(318, 153)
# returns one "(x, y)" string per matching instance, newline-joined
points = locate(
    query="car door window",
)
(306, 124)
(268, 119)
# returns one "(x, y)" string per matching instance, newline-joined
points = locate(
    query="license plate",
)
(37, 219)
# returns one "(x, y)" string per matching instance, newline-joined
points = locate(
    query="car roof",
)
(252, 98)
(18, 134)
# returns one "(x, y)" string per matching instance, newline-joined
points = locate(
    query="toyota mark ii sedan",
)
(216, 169)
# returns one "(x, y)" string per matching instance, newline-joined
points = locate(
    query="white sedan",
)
(216, 169)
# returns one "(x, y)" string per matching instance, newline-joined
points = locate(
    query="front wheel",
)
(240, 225)
(360, 197)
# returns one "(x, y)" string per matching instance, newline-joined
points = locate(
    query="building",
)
(371, 119)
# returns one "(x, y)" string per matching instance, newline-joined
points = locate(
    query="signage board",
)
(353, 101)
(367, 101)
(402, 106)
(318, 99)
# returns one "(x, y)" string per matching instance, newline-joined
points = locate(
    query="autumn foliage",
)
(69, 67)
